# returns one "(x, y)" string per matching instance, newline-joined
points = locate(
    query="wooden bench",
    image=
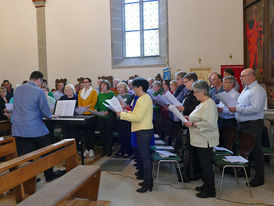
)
(20, 173)
(80, 182)
(8, 148)
(5, 127)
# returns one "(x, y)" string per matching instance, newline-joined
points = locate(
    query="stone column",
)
(41, 35)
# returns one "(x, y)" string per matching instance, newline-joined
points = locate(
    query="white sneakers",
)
(89, 153)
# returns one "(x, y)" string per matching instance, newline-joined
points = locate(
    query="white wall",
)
(79, 38)
(18, 40)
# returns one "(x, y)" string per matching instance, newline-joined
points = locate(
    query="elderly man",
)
(216, 82)
(250, 117)
(227, 118)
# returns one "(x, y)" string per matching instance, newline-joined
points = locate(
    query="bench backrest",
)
(8, 148)
(25, 168)
(5, 127)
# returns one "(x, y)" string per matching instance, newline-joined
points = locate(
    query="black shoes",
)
(256, 183)
(204, 194)
(143, 189)
(200, 189)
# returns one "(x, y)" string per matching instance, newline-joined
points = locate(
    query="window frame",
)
(119, 59)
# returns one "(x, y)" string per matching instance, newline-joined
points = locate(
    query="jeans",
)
(143, 140)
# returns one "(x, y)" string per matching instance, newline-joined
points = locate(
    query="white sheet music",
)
(115, 104)
(164, 147)
(122, 101)
(65, 107)
(81, 110)
(97, 113)
(222, 149)
(109, 106)
(159, 142)
(177, 113)
(9, 106)
(161, 100)
(172, 99)
(226, 99)
(234, 159)
(165, 153)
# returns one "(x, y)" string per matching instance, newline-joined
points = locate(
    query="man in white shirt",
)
(250, 117)
(227, 118)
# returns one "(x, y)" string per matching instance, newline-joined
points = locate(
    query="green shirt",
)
(127, 98)
(100, 107)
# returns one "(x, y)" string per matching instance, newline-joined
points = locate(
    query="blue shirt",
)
(251, 103)
(226, 114)
(30, 105)
(213, 92)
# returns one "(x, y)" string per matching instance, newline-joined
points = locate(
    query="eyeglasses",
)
(227, 82)
(242, 76)
(85, 81)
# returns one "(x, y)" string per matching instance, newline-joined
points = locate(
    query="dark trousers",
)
(26, 145)
(256, 127)
(205, 160)
(88, 136)
(139, 161)
(106, 128)
(124, 136)
(222, 123)
(143, 141)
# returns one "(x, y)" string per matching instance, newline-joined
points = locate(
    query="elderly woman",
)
(204, 135)
(124, 126)
(3, 100)
(70, 93)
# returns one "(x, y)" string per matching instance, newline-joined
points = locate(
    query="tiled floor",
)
(120, 188)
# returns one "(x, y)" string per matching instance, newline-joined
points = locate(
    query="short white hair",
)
(71, 87)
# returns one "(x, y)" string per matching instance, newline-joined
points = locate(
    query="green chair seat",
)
(268, 151)
(220, 161)
(157, 157)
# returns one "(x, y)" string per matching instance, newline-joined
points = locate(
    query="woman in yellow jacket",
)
(87, 98)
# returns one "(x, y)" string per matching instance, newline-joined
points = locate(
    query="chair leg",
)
(157, 175)
(180, 173)
(235, 173)
(247, 182)
(222, 179)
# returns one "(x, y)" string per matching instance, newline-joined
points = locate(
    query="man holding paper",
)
(250, 117)
(228, 98)
(141, 119)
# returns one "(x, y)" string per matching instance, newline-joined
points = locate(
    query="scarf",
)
(85, 93)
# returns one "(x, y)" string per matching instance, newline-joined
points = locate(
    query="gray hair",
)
(231, 79)
(157, 83)
(200, 86)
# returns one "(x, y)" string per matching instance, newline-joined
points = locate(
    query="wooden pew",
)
(20, 173)
(5, 128)
(8, 148)
(79, 181)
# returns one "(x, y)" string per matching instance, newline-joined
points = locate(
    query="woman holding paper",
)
(4, 115)
(124, 126)
(141, 123)
(191, 169)
(87, 98)
(105, 122)
(204, 135)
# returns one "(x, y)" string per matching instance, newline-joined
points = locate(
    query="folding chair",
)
(246, 143)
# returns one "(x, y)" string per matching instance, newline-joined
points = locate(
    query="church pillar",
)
(41, 35)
